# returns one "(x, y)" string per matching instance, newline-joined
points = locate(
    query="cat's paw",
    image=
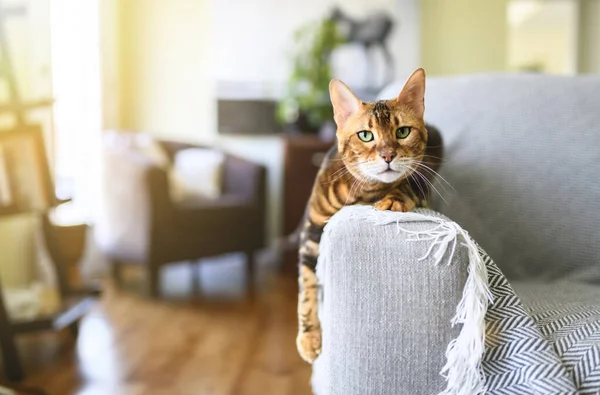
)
(392, 205)
(309, 344)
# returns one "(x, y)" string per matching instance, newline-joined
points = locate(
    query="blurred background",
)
(154, 152)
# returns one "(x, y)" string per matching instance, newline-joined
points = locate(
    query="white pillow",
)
(196, 173)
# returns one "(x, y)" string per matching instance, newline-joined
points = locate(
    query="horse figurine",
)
(370, 33)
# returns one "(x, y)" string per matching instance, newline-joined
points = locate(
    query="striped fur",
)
(382, 171)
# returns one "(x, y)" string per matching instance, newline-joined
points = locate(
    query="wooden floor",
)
(130, 345)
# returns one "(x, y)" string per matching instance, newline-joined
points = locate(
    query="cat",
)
(380, 159)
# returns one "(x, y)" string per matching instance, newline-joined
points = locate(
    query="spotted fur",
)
(358, 172)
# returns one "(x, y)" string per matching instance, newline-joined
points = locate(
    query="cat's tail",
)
(289, 242)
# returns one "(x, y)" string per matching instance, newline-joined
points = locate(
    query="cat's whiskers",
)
(346, 169)
(408, 170)
(340, 173)
(425, 166)
(416, 180)
(415, 171)
(427, 182)
(362, 184)
(344, 173)
(434, 157)
(361, 180)
(350, 192)
(441, 184)
(341, 169)
(436, 174)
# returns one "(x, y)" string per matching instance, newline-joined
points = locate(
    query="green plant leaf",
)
(308, 82)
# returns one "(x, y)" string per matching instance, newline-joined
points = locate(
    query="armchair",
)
(141, 224)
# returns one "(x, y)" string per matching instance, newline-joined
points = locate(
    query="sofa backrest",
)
(522, 152)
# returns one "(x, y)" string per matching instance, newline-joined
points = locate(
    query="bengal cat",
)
(380, 160)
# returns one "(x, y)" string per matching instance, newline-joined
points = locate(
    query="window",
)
(76, 79)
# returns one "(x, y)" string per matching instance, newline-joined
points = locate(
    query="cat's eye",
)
(403, 132)
(366, 136)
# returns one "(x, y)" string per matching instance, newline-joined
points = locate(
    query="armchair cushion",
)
(197, 172)
(195, 215)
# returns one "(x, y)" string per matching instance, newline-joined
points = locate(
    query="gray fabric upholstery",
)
(523, 153)
(385, 314)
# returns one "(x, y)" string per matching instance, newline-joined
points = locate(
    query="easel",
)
(74, 303)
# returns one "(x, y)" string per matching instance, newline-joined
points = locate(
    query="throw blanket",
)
(517, 358)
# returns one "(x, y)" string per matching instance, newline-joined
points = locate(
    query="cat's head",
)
(384, 140)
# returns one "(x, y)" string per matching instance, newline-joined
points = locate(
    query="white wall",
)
(164, 68)
(589, 36)
(463, 36)
(109, 46)
(532, 25)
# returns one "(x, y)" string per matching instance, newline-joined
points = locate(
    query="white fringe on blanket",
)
(462, 371)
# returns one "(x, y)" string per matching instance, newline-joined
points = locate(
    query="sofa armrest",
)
(385, 314)
(135, 205)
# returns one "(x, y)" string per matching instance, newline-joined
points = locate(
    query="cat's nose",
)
(387, 156)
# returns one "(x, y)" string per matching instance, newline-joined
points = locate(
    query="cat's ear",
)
(345, 103)
(413, 93)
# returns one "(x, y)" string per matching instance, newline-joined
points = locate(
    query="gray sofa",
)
(522, 154)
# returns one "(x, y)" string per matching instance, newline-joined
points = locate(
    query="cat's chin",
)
(388, 176)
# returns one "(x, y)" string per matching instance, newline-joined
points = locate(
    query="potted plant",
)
(305, 106)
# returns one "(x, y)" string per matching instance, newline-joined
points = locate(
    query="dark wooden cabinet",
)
(302, 158)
